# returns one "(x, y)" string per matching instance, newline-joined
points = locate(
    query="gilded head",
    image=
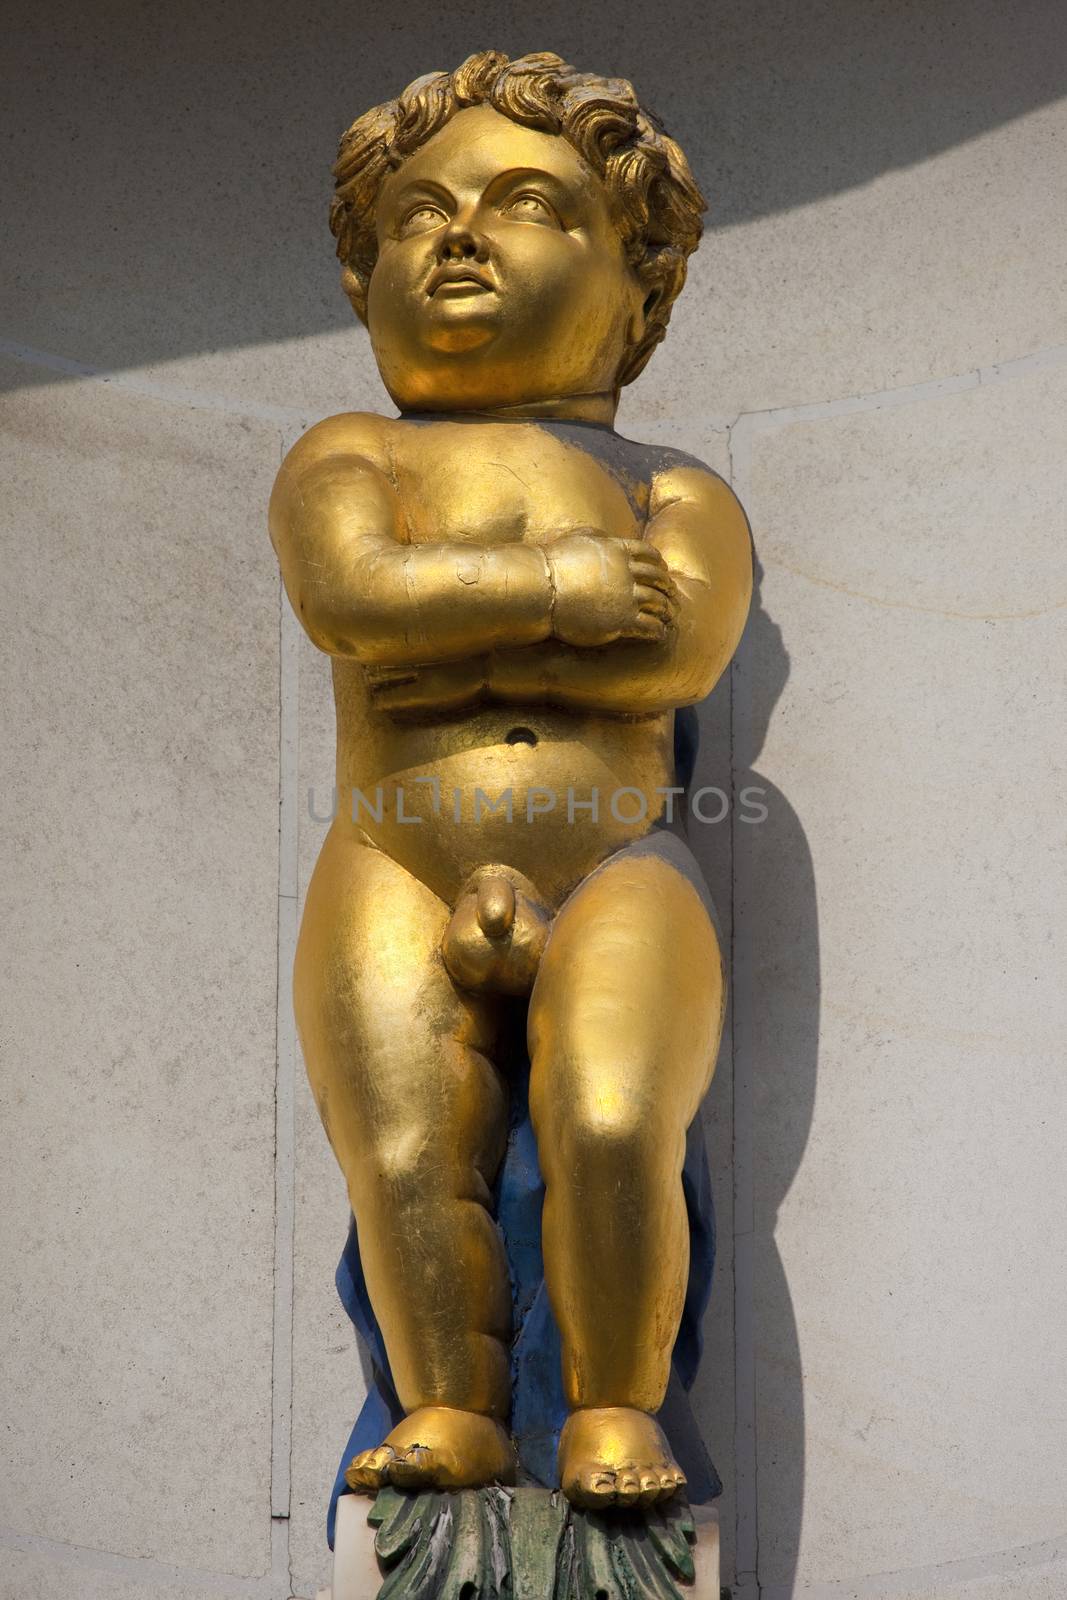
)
(512, 232)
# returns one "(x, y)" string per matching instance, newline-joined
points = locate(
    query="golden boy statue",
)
(516, 601)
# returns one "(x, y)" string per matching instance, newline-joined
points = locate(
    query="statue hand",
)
(607, 589)
(445, 687)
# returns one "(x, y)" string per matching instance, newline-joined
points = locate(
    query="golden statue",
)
(516, 601)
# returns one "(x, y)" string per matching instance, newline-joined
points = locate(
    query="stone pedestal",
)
(534, 1514)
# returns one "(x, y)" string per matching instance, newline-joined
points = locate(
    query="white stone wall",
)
(872, 349)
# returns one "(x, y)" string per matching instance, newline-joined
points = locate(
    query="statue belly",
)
(507, 786)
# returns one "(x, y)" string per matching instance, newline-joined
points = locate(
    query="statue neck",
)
(571, 408)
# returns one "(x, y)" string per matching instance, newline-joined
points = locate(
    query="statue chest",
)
(498, 484)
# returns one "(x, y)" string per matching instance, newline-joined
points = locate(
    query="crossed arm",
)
(599, 624)
(696, 525)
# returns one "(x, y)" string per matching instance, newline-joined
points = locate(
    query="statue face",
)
(501, 278)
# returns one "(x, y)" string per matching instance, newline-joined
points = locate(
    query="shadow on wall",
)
(166, 179)
(776, 955)
(775, 979)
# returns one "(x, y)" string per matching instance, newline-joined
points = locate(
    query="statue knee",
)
(399, 1168)
(410, 1167)
(597, 1132)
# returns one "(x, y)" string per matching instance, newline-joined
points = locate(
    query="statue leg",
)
(625, 1020)
(417, 1115)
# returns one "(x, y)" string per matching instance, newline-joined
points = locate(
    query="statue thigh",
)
(625, 1021)
(416, 1112)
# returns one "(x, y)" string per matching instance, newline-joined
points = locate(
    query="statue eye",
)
(529, 207)
(421, 218)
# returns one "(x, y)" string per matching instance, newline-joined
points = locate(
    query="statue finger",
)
(385, 675)
(653, 601)
(655, 577)
(648, 552)
(647, 627)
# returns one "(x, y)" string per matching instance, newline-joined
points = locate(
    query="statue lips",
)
(457, 279)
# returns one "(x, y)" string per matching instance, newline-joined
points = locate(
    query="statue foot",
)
(614, 1456)
(436, 1447)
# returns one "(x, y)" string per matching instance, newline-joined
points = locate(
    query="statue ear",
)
(637, 326)
(356, 290)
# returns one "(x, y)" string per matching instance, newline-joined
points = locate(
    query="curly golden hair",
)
(657, 202)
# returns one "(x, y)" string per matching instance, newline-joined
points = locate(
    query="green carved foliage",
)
(437, 1546)
(500, 1544)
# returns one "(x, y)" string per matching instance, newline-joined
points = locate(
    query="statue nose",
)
(461, 244)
